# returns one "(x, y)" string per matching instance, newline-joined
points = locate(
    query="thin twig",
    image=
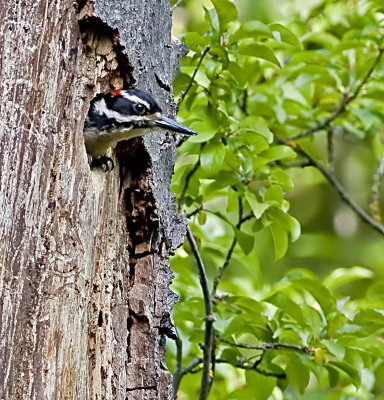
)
(341, 191)
(190, 368)
(254, 367)
(347, 98)
(206, 377)
(375, 204)
(187, 180)
(242, 364)
(183, 94)
(330, 149)
(223, 268)
(178, 374)
(247, 217)
(264, 346)
(245, 364)
(194, 212)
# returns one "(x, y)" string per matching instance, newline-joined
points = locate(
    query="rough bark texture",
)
(84, 298)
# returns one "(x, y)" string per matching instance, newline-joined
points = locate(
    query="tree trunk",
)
(84, 274)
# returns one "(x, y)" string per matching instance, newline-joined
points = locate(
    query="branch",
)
(187, 180)
(264, 346)
(254, 367)
(364, 216)
(222, 269)
(183, 94)
(347, 98)
(179, 371)
(209, 319)
(242, 364)
(190, 367)
(375, 205)
(330, 149)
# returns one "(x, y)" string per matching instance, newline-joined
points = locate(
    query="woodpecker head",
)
(121, 115)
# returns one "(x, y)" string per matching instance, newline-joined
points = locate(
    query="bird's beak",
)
(174, 126)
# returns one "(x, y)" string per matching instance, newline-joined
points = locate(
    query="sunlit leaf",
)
(283, 34)
(226, 11)
(195, 42)
(257, 207)
(343, 276)
(280, 239)
(248, 29)
(259, 51)
(337, 349)
(212, 156)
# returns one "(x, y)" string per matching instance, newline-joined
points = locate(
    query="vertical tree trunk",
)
(84, 276)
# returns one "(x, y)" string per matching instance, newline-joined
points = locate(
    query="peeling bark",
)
(84, 274)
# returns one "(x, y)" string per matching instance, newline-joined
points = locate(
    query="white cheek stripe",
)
(101, 108)
(136, 99)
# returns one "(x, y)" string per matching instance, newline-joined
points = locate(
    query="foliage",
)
(274, 103)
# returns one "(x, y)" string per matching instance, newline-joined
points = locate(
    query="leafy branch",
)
(245, 363)
(228, 257)
(264, 346)
(347, 98)
(254, 366)
(183, 94)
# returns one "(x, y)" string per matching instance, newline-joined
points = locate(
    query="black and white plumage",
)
(122, 115)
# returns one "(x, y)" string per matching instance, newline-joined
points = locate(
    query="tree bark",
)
(84, 274)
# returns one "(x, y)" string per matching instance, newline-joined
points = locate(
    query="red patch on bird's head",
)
(116, 92)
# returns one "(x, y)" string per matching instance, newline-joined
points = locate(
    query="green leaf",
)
(231, 355)
(274, 196)
(195, 42)
(245, 240)
(280, 239)
(226, 12)
(298, 374)
(283, 34)
(288, 222)
(213, 20)
(259, 51)
(282, 301)
(322, 39)
(365, 115)
(258, 125)
(251, 29)
(305, 280)
(212, 157)
(350, 372)
(335, 348)
(259, 386)
(202, 217)
(343, 276)
(251, 138)
(333, 375)
(257, 207)
(279, 153)
(281, 177)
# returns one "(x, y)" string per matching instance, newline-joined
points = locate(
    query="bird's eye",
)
(139, 108)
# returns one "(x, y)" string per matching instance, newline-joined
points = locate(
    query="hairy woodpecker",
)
(121, 115)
